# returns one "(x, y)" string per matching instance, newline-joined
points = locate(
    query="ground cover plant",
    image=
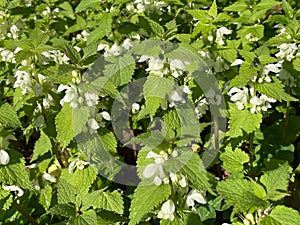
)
(149, 112)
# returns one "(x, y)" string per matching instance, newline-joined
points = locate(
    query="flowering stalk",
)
(251, 153)
(24, 213)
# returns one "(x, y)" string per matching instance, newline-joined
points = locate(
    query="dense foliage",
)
(149, 112)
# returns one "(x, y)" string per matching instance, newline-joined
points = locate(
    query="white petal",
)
(237, 62)
(150, 170)
(105, 115)
(4, 157)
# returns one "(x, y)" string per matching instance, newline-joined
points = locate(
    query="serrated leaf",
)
(156, 27)
(276, 182)
(190, 164)
(14, 172)
(155, 91)
(85, 4)
(109, 141)
(201, 15)
(238, 6)
(5, 199)
(9, 117)
(242, 120)
(213, 11)
(281, 215)
(102, 30)
(289, 12)
(266, 4)
(240, 194)
(63, 210)
(110, 201)
(41, 147)
(80, 179)
(45, 196)
(86, 218)
(72, 53)
(233, 160)
(70, 122)
(120, 70)
(296, 64)
(246, 73)
(145, 199)
(66, 193)
(274, 90)
(229, 54)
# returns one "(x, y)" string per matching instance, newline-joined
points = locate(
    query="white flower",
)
(237, 62)
(287, 51)
(36, 184)
(93, 125)
(46, 11)
(91, 99)
(201, 108)
(287, 78)
(186, 90)
(14, 31)
(213, 97)
(14, 188)
(23, 81)
(251, 37)
(220, 33)
(7, 56)
(167, 210)
(135, 107)
(193, 196)
(80, 164)
(102, 46)
(105, 115)
(127, 44)
(240, 96)
(48, 177)
(70, 96)
(4, 157)
(84, 34)
(156, 168)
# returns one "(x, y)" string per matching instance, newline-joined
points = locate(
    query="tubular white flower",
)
(14, 188)
(48, 177)
(167, 210)
(14, 31)
(4, 157)
(287, 51)
(93, 125)
(135, 107)
(193, 196)
(105, 115)
(237, 62)
(91, 99)
(80, 164)
(23, 81)
(220, 33)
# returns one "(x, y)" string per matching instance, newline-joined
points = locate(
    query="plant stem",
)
(57, 154)
(251, 153)
(286, 120)
(24, 213)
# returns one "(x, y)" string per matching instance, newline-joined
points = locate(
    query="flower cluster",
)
(246, 98)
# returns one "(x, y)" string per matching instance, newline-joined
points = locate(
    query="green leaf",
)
(287, 9)
(190, 164)
(85, 4)
(242, 120)
(246, 73)
(145, 199)
(102, 30)
(120, 70)
(201, 15)
(274, 90)
(238, 6)
(80, 179)
(110, 201)
(276, 182)
(240, 194)
(109, 141)
(14, 172)
(266, 4)
(86, 218)
(5, 199)
(156, 27)
(72, 53)
(41, 147)
(70, 122)
(296, 64)
(229, 54)
(213, 11)
(66, 193)
(9, 117)
(63, 210)
(45, 196)
(155, 91)
(233, 160)
(281, 215)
